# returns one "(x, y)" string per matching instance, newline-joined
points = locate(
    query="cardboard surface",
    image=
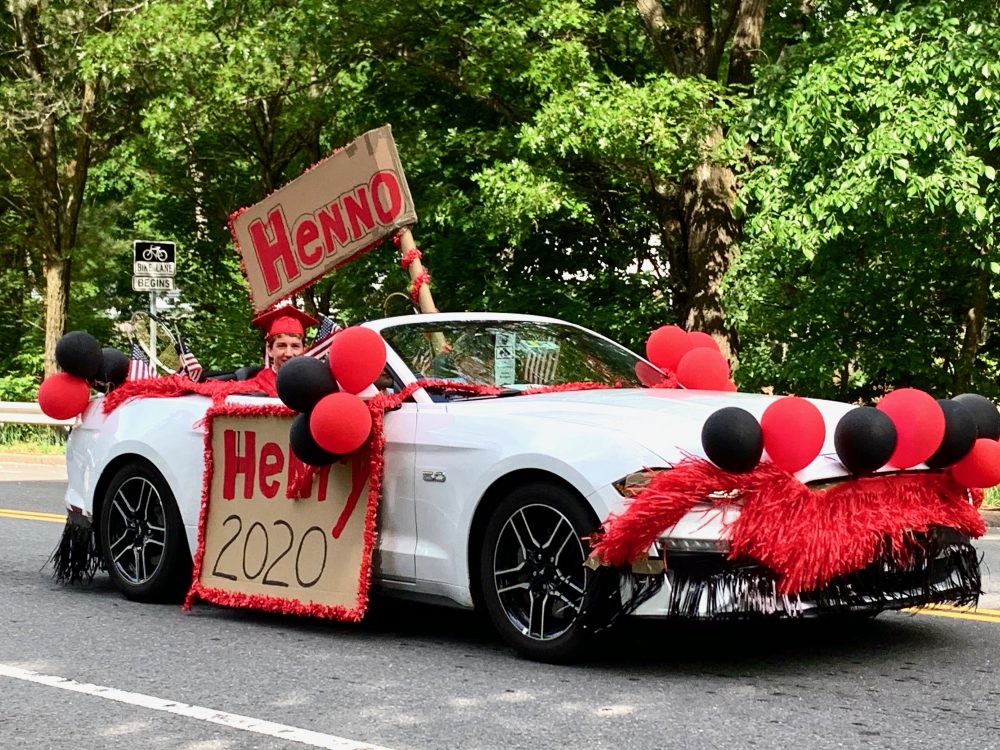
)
(259, 543)
(333, 212)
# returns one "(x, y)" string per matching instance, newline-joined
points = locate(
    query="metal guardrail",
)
(29, 412)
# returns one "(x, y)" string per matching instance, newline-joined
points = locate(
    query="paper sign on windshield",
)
(327, 216)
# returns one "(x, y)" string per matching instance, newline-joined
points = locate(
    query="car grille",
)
(941, 568)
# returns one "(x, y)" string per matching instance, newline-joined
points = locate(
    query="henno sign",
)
(329, 215)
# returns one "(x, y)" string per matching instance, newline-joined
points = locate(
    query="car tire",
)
(142, 536)
(534, 585)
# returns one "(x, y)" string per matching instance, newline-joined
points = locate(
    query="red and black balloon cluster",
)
(84, 364)
(334, 420)
(694, 357)
(908, 427)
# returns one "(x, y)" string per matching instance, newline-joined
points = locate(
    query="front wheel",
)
(532, 576)
(142, 536)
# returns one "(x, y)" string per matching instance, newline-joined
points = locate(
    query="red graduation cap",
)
(286, 319)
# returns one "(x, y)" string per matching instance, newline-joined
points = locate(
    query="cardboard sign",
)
(263, 550)
(324, 218)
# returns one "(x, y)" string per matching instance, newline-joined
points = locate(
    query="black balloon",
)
(303, 381)
(79, 354)
(732, 439)
(865, 439)
(984, 413)
(114, 367)
(303, 444)
(959, 434)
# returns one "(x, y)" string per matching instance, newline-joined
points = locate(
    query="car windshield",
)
(516, 354)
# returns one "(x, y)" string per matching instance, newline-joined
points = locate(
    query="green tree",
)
(56, 122)
(872, 209)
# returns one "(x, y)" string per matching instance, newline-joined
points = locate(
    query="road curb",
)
(991, 516)
(32, 458)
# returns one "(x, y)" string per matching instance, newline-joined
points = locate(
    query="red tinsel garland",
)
(807, 537)
(409, 256)
(171, 386)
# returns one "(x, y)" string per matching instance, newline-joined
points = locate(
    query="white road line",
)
(234, 721)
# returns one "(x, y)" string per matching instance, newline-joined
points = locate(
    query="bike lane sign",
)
(153, 258)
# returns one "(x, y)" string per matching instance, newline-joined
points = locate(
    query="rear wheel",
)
(142, 536)
(535, 586)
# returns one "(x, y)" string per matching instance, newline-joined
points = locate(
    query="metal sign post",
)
(154, 264)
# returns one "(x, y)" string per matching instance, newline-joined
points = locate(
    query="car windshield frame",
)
(515, 354)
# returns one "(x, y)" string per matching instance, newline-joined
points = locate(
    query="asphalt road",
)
(80, 667)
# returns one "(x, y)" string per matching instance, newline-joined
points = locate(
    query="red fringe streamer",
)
(409, 256)
(807, 537)
(171, 386)
(422, 278)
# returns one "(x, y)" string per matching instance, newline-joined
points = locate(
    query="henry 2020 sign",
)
(333, 212)
(261, 549)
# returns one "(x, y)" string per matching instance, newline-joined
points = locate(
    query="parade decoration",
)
(693, 357)
(806, 537)
(78, 353)
(63, 396)
(984, 413)
(793, 431)
(260, 546)
(114, 368)
(303, 381)
(340, 423)
(357, 357)
(304, 445)
(703, 368)
(865, 439)
(666, 345)
(980, 467)
(732, 439)
(337, 210)
(959, 434)
(919, 423)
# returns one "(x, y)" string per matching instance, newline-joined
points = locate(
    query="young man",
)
(284, 331)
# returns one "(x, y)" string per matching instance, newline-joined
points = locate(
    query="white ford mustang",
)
(488, 501)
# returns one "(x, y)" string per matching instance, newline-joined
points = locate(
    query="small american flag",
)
(138, 364)
(324, 337)
(541, 362)
(190, 362)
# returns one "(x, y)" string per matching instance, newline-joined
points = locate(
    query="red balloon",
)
(357, 357)
(794, 432)
(340, 423)
(730, 386)
(981, 465)
(702, 340)
(666, 345)
(63, 396)
(919, 422)
(703, 368)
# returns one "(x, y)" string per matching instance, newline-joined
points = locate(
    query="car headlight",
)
(632, 483)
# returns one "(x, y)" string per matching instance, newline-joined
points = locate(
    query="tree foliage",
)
(872, 207)
(578, 158)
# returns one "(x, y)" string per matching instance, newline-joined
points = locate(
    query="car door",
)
(394, 557)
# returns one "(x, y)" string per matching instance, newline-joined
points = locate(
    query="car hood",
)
(666, 422)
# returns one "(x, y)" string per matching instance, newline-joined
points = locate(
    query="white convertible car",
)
(488, 500)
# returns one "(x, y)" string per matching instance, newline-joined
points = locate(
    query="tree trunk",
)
(707, 199)
(58, 198)
(690, 42)
(57, 275)
(975, 320)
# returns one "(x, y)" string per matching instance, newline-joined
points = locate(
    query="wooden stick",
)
(424, 299)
